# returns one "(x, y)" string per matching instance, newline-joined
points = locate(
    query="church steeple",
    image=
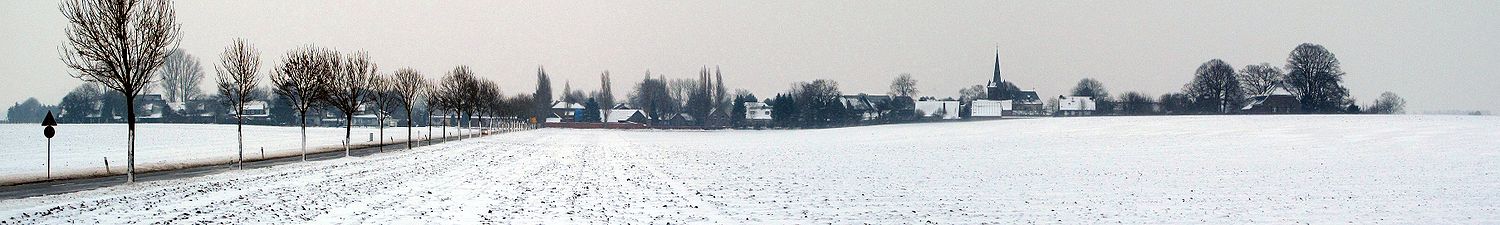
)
(996, 90)
(996, 81)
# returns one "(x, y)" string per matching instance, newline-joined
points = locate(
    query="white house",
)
(371, 120)
(757, 111)
(1075, 105)
(565, 111)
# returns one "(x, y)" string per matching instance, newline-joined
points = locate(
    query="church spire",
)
(997, 79)
(996, 90)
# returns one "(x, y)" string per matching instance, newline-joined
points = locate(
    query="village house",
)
(757, 114)
(199, 111)
(869, 107)
(624, 116)
(153, 109)
(677, 119)
(1026, 103)
(565, 111)
(256, 112)
(716, 118)
(1075, 106)
(1276, 101)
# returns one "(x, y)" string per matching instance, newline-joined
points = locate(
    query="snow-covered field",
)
(81, 148)
(1134, 170)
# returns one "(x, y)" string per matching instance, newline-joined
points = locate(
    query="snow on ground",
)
(82, 148)
(1135, 170)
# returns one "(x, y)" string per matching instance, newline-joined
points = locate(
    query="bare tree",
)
(721, 94)
(1260, 79)
(408, 86)
(1090, 87)
(700, 100)
(486, 98)
(652, 96)
(300, 79)
(237, 67)
(1214, 82)
(904, 85)
(436, 101)
(380, 94)
(1388, 103)
(681, 90)
(457, 90)
(542, 97)
(571, 96)
(1135, 103)
(972, 92)
(606, 96)
(118, 44)
(349, 89)
(180, 76)
(519, 105)
(1314, 74)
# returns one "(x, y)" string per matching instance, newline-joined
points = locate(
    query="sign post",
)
(49, 132)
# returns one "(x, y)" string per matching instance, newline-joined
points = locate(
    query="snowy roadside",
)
(80, 150)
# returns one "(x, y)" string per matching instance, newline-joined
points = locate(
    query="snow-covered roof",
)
(756, 105)
(1076, 103)
(684, 116)
(368, 116)
(1028, 96)
(256, 105)
(621, 115)
(1278, 91)
(566, 105)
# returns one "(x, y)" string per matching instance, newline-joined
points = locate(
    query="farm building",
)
(625, 116)
(1075, 106)
(989, 108)
(1276, 101)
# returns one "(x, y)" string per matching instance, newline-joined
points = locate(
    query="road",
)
(81, 184)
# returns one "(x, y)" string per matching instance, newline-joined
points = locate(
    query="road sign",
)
(49, 121)
(49, 132)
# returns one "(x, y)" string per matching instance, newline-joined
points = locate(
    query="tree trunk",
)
(445, 126)
(429, 126)
(408, 128)
(380, 119)
(130, 141)
(240, 128)
(348, 130)
(303, 115)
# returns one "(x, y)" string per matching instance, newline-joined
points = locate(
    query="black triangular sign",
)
(49, 121)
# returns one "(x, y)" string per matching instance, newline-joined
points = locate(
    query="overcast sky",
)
(1439, 55)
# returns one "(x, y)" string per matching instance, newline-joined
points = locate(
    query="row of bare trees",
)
(125, 46)
(466, 99)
